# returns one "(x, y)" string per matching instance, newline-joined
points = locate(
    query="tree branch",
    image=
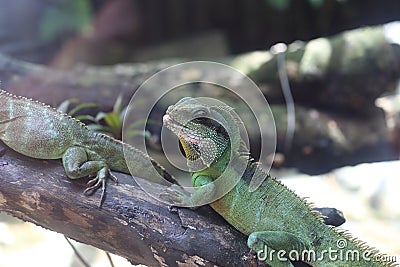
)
(130, 223)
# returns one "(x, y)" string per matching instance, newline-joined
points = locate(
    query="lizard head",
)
(205, 129)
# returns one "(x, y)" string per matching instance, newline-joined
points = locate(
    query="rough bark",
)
(130, 223)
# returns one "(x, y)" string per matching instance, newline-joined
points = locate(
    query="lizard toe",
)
(113, 177)
(93, 185)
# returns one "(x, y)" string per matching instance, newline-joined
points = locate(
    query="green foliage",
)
(109, 123)
(62, 16)
(63, 107)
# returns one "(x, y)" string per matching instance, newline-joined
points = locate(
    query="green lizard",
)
(40, 131)
(276, 220)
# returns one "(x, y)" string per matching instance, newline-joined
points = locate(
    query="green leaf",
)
(81, 106)
(101, 115)
(118, 105)
(63, 107)
(113, 121)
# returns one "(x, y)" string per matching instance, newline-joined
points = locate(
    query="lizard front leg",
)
(275, 247)
(204, 193)
(78, 164)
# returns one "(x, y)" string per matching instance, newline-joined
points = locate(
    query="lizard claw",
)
(100, 181)
(113, 177)
(94, 184)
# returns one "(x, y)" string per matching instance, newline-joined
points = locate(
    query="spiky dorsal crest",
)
(48, 107)
(373, 252)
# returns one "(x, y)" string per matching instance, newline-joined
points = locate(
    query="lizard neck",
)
(217, 168)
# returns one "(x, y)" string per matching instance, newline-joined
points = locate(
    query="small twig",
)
(109, 259)
(78, 255)
(280, 49)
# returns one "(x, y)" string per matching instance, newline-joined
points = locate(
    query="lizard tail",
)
(164, 172)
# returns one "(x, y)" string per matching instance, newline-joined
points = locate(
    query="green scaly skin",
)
(39, 131)
(273, 216)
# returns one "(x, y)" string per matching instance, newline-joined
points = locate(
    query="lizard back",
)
(35, 129)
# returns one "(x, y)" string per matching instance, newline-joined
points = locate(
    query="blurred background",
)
(346, 143)
(62, 33)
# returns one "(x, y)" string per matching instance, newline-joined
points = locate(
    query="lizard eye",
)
(199, 113)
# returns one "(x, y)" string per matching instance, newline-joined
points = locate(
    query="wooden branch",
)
(130, 223)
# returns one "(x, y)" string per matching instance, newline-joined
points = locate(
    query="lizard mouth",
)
(200, 138)
(180, 130)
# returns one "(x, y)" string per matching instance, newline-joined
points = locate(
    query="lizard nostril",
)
(169, 109)
(166, 119)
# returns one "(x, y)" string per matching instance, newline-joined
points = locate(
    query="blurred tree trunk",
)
(346, 72)
(340, 77)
